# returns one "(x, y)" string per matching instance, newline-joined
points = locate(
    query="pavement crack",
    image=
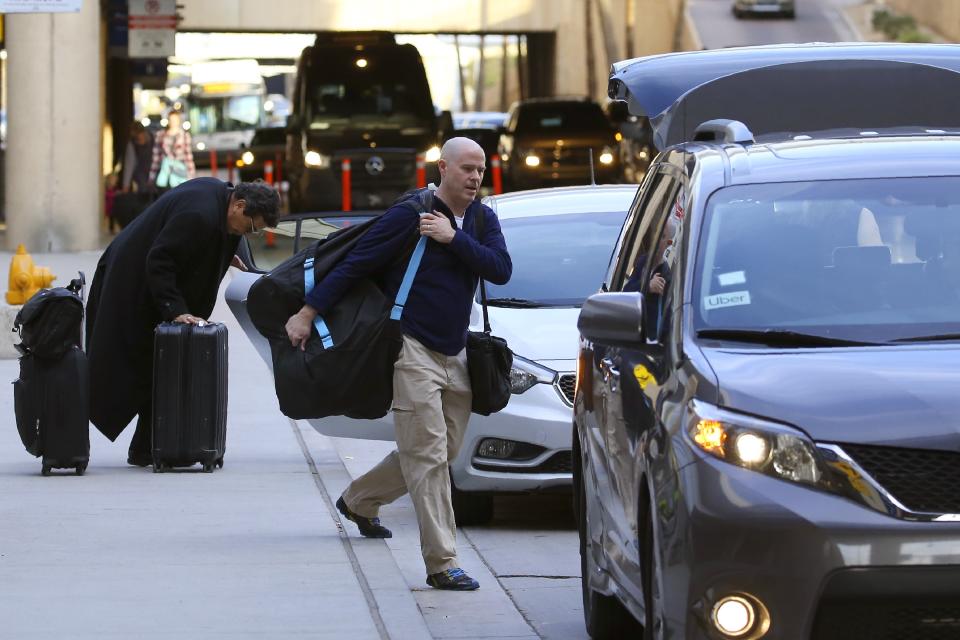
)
(535, 575)
(344, 538)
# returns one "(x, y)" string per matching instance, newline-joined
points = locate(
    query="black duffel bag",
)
(346, 367)
(489, 359)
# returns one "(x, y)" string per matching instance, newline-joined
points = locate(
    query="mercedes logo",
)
(375, 165)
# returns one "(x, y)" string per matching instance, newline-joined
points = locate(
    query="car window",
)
(558, 260)
(638, 241)
(855, 259)
(269, 249)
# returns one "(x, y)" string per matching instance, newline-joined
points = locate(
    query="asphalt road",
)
(816, 21)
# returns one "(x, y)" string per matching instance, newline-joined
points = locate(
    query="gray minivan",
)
(766, 437)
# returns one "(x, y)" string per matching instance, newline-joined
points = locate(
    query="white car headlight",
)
(432, 154)
(525, 374)
(316, 160)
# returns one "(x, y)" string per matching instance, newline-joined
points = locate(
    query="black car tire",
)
(604, 616)
(471, 509)
(652, 600)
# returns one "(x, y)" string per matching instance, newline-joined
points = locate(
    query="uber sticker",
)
(732, 278)
(732, 299)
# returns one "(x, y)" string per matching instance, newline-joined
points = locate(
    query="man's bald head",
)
(455, 148)
(462, 163)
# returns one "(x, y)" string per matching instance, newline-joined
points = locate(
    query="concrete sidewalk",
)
(252, 551)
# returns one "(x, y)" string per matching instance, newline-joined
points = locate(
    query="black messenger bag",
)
(489, 359)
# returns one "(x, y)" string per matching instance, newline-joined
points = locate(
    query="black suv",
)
(765, 438)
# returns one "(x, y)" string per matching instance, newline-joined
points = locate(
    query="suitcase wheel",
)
(220, 463)
(81, 468)
(158, 467)
(208, 467)
(45, 471)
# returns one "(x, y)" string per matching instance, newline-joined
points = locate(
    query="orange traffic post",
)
(230, 167)
(497, 174)
(268, 171)
(345, 183)
(421, 171)
(213, 162)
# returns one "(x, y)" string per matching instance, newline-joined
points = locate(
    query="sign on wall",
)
(40, 6)
(153, 28)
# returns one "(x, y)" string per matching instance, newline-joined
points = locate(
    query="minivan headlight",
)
(769, 448)
(525, 373)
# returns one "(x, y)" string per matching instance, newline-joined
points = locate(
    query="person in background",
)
(137, 159)
(172, 162)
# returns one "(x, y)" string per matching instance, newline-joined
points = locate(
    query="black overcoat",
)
(167, 262)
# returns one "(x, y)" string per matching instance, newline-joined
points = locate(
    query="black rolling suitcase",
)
(51, 396)
(189, 395)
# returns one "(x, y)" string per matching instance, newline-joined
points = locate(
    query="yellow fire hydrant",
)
(26, 278)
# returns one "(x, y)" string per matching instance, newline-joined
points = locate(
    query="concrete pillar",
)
(53, 169)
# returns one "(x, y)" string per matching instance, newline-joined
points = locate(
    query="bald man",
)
(431, 386)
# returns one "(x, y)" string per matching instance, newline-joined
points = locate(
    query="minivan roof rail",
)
(723, 130)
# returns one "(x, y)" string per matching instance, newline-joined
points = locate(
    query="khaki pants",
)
(431, 406)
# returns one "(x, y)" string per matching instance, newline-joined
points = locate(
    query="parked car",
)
(268, 144)
(784, 8)
(549, 141)
(560, 242)
(765, 441)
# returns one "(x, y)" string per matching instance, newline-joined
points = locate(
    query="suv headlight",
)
(316, 160)
(769, 448)
(432, 154)
(607, 156)
(525, 374)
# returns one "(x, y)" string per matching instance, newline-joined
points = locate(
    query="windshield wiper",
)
(781, 337)
(934, 338)
(514, 303)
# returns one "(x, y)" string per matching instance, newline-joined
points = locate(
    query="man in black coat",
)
(165, 266)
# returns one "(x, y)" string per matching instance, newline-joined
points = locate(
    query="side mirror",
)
(614, 319)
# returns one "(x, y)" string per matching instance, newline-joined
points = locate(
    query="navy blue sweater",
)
(437, 312)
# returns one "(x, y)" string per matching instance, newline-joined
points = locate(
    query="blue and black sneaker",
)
(453, 580)
(369, 527)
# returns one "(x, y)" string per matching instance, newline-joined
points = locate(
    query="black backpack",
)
(51, 322)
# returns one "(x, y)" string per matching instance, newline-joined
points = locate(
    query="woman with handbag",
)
(172, 155)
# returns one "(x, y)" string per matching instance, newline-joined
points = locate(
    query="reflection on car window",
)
(634, 257)
(857, 259)
(558, 260)
(268, 250)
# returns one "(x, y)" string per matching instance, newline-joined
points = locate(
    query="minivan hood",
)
(905, 396)
(793, 88)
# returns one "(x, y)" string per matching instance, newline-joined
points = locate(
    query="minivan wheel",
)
(604, 616)
(652, 599)
(471, 509)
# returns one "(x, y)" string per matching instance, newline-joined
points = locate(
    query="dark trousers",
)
(142, 441)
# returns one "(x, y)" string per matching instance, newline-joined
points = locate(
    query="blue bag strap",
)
(408, 277)
(318, 323)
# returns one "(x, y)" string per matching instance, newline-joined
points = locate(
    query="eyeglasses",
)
(253, 228)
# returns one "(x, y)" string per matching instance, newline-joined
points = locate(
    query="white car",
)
(560, 241)
(785, 8)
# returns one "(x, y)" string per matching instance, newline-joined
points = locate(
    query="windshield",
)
(234, 113)
(566, 117)
(558, 260)
(870, 260)
(385, 94)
